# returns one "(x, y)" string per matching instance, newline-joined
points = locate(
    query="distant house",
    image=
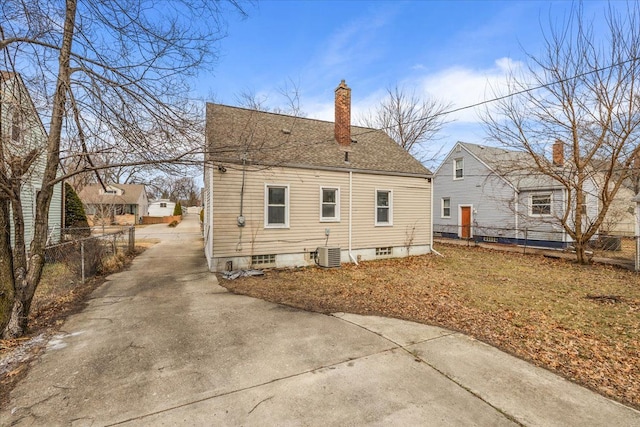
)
(484, 193)
(122, 204)
(287, 191)
(162, 207)
(21, 132)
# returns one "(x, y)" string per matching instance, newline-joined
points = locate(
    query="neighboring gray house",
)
(21, 132)
(489, 194)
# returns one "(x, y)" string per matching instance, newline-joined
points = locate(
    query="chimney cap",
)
(342, 85)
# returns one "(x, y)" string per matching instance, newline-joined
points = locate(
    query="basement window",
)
(263, 259)
(384, 251)
(490, 239)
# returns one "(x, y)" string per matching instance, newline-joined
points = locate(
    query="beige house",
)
(284, 191)
(122, 204)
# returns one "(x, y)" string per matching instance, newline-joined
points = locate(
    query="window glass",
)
(541, 204)
(459, 170)
(383, 207)
(446, 207)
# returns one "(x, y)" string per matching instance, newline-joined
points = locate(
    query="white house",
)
(161, 207)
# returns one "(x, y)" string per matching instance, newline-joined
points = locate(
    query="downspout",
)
(431, 208)
(355, 261)
(517, 213)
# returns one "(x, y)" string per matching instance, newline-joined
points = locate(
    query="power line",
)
(500, 98)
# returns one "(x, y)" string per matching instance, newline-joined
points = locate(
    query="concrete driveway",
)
(164, 344)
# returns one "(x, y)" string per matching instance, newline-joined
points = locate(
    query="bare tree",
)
(587, 98)
(106, 77)
(409, 119)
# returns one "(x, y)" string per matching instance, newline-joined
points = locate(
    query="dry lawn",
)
(580, 321)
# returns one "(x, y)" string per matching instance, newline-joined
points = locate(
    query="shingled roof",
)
(264, 138)
(92, 195)
(516, 167)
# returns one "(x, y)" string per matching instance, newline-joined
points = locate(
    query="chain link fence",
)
(618, 246)
(87, 255)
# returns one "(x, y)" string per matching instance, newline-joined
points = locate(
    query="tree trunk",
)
(6, 266)
(27, 281)
(581, 256)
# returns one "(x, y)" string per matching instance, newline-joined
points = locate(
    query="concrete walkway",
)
(163, 344)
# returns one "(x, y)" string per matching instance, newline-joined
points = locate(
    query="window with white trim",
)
(458, 168)
(276, 209)
(329, 204)
(384, 207)
(540, 205)
(446, 207)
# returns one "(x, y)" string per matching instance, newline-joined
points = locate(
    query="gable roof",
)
(131, 193)
(271, 139)
(515, 167)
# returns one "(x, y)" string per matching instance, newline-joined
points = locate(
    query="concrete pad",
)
(389, 388)
(398, 331)
(163, 344)
(531, 395)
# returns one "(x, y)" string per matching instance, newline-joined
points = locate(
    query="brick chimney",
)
(558, 153)
(343, 115)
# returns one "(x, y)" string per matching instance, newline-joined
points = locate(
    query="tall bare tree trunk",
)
(6, 265)
(25, 286)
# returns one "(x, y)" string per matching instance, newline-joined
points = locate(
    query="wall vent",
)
(490, 239)
(328, 257)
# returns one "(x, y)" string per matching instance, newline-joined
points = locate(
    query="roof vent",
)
(354, 141)
(286, 131)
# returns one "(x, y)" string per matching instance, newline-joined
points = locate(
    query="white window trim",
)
(337, 217)
(531, 214)
(375, 212)
(454, 168)
(266, 206)
(442, 215)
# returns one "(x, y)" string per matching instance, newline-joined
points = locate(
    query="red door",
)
(465, 222)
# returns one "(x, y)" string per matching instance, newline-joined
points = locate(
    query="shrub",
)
(74, 214)
(177, 211)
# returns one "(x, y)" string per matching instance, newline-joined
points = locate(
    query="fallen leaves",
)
(530, 306)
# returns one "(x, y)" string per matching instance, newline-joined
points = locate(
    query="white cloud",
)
(463, 86)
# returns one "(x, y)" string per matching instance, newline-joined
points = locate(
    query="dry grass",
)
(580, 321)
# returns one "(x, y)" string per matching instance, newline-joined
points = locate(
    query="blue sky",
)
(454, 51)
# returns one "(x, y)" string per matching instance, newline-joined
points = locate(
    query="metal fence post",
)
(132, 239)
(115, 248)
(82, 259)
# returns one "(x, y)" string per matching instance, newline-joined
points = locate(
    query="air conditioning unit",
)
(328, 257)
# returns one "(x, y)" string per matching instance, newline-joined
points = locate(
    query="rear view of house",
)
(284, 191)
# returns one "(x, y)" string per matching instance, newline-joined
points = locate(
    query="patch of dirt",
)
(50, 309)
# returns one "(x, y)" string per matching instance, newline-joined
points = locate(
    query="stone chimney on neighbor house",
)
(558, 153)
(343, 115)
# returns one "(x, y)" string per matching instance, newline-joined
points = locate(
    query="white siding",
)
(491, 198)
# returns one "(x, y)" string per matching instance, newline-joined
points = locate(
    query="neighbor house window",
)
(446, 207)
(276, 213)
(540, 204)
(458, 169)
(163, 205)
(329, 204)
(384, 206)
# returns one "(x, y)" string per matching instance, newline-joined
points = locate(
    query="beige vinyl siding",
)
(411, 211)
(306, 231)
